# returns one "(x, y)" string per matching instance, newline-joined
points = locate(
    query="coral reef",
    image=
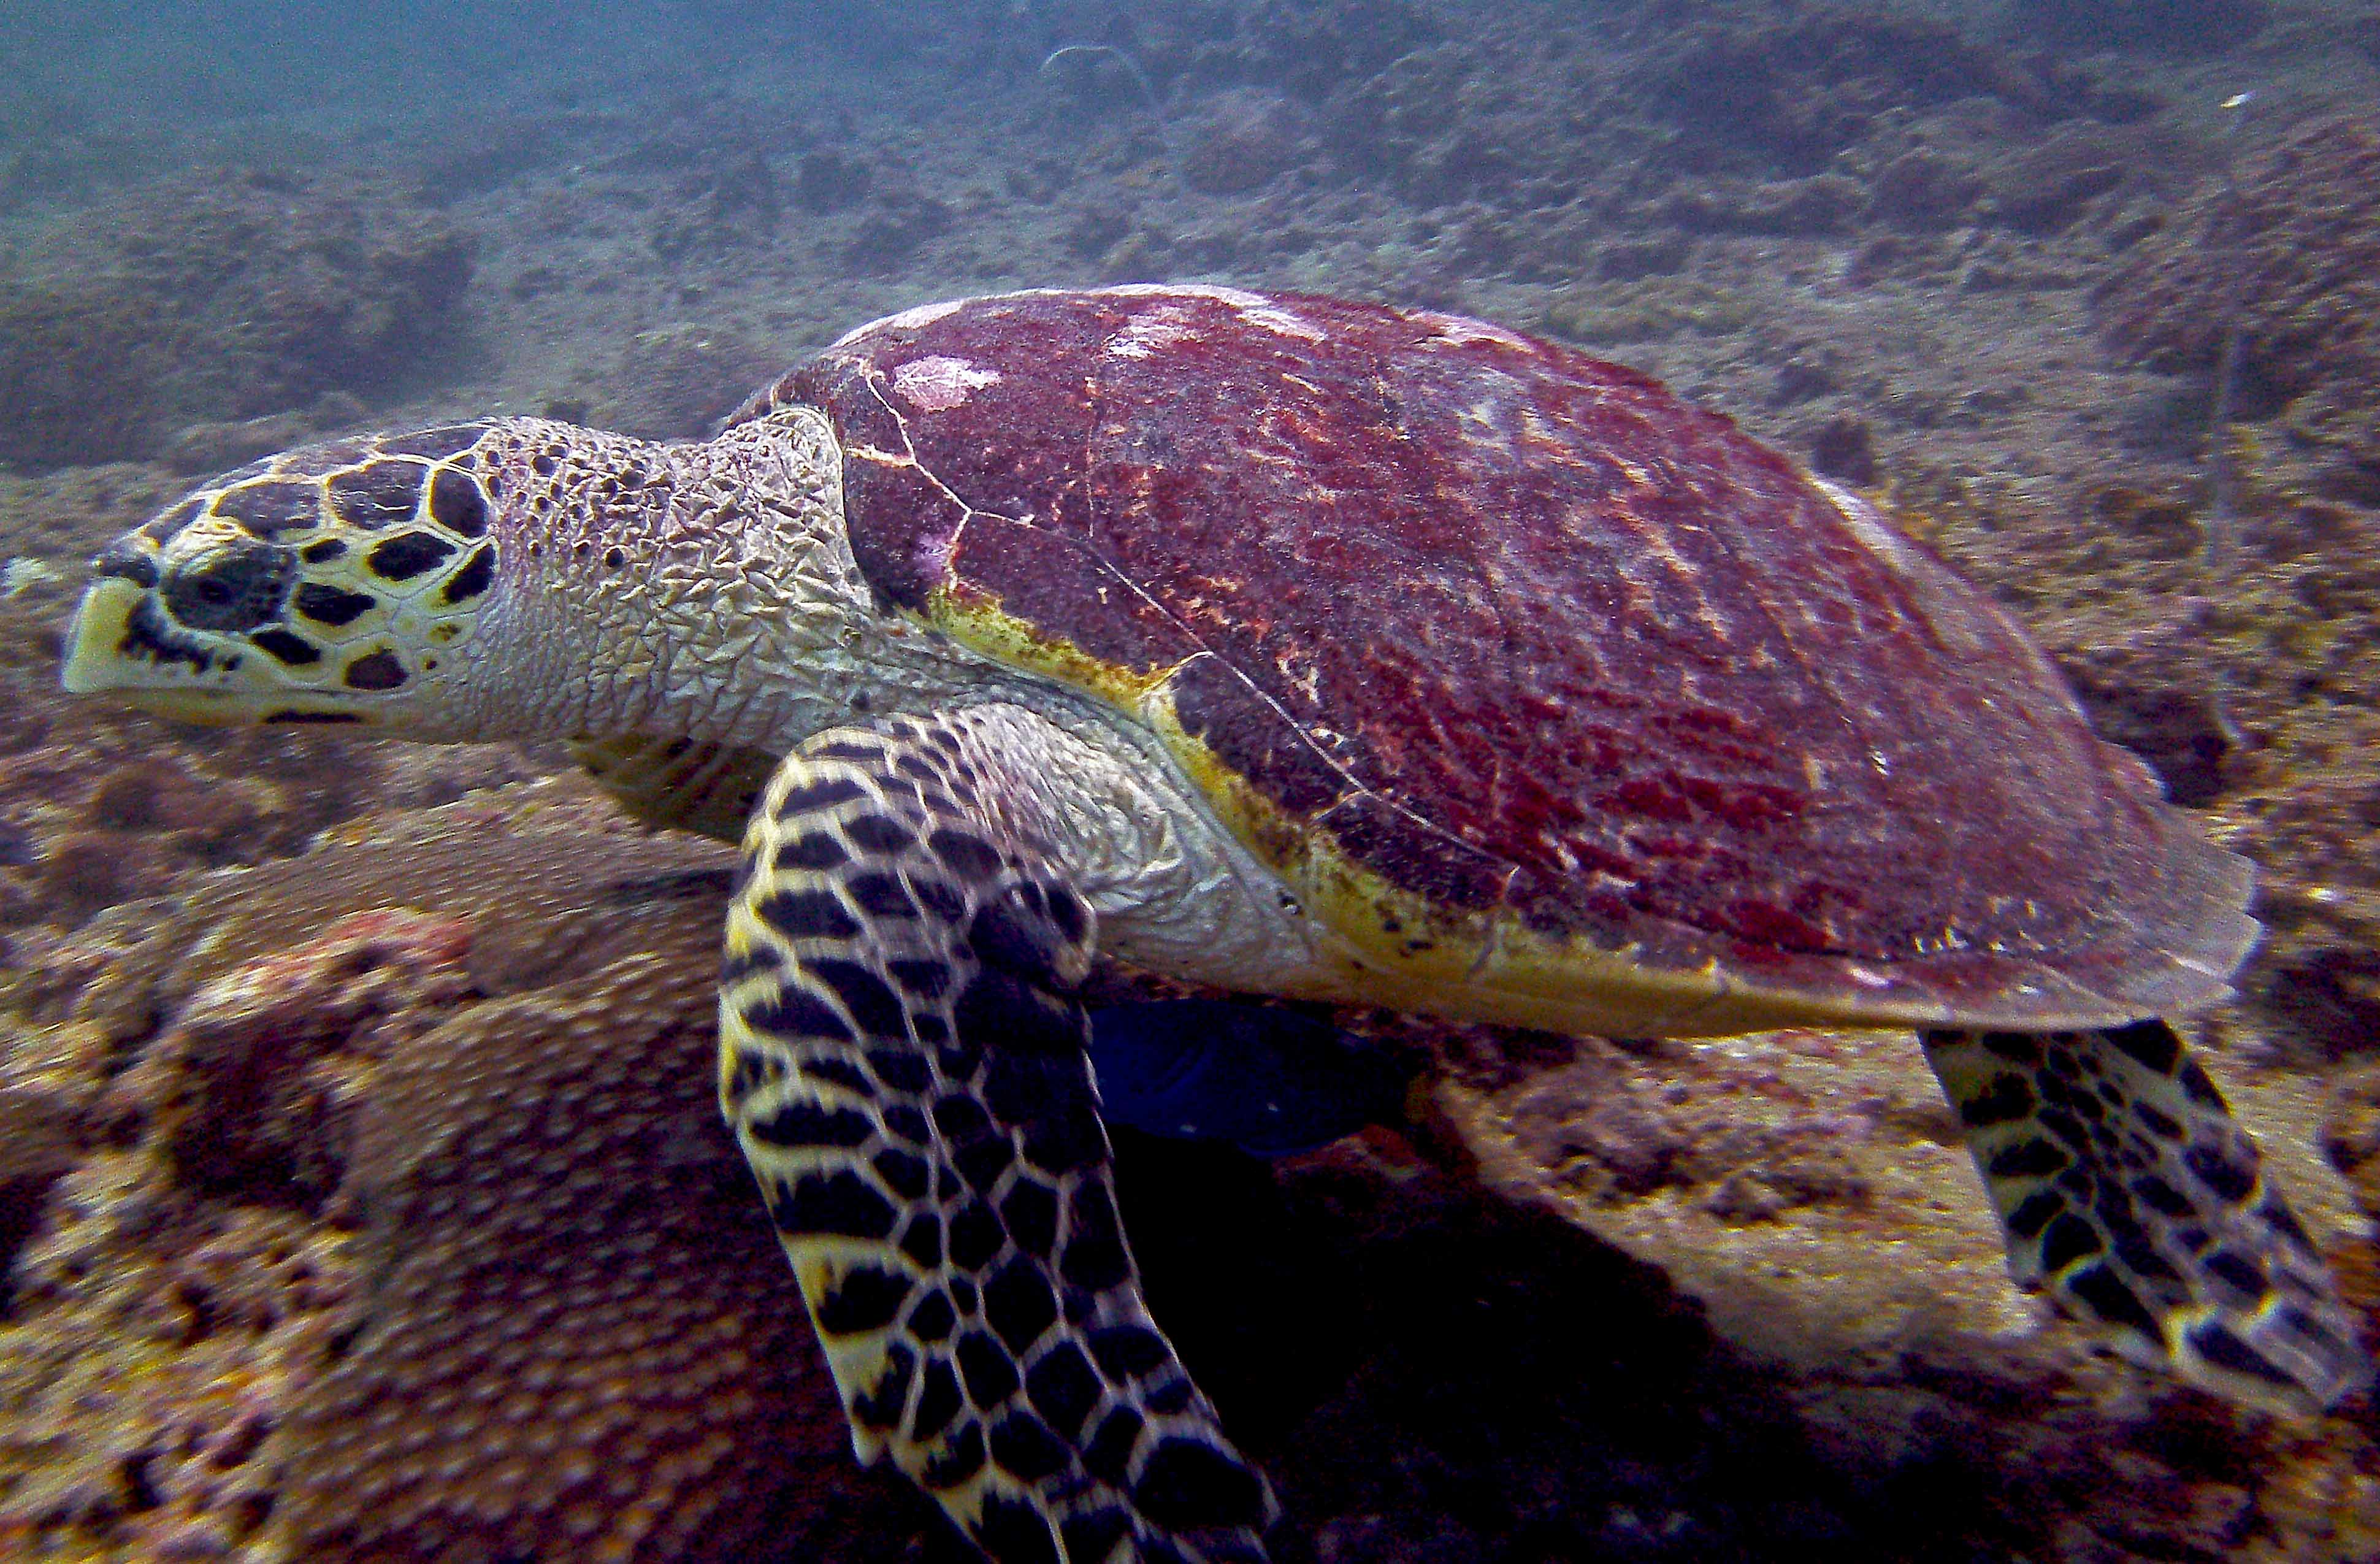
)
(423, 1224)
(192, 298)
(411, 1233)
(358, 1175)
(676, 382)
(182, 1240)
(1790, 85)
(103, 805)
(1242, 138)
(2188, 27)
(2288, 255)
(583, 1340)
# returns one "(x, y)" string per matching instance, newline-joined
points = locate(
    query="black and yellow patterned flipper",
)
(2130, 1193)
(903, 1058)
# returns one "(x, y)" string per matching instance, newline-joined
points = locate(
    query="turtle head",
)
(515, 579)
(342, 583)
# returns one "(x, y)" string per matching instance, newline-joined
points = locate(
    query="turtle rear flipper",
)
(2128, 1190)
(903, 1057)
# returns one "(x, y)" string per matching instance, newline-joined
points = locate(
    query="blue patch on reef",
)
(1267, 1080)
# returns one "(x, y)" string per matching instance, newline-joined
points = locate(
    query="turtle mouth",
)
(123, 643)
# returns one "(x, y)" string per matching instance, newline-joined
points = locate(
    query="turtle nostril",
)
(127, 563)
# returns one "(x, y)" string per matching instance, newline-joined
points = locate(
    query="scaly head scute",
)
(336, 583)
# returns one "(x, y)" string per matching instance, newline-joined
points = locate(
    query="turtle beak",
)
(102, 624)
(114, 626)
(123, 643)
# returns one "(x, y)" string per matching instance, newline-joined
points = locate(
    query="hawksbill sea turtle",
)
(1290, 645)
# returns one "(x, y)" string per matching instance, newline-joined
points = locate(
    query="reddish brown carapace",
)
(1520, 629)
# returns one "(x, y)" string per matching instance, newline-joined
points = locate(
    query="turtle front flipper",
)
(2128, 1191)
(903, 1058)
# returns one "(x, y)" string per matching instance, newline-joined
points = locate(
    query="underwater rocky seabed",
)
(369, 1202)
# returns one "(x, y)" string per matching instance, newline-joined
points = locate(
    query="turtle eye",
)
(237, 586)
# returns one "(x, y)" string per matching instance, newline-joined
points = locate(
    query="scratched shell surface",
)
(1521, 633)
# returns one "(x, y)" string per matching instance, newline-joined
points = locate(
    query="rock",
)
(1645, 311)
(1437, 125)
(1801, 376)
(725, 203)
(2048, 186)
(1792, 86)
(78, 371)
(1625, 260)
(1306, 49)
(219, 446)
(40, 1141)
(1093, 230)
(2179, 733)
(893, 224)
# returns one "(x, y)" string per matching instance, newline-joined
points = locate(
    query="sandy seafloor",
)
(359, 1190)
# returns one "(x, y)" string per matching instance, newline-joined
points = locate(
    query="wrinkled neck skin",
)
(700, 590)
